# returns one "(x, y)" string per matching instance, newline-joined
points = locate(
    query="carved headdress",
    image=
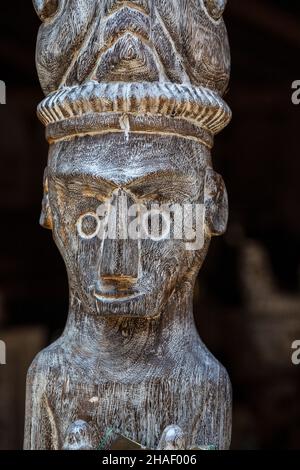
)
(154, 66)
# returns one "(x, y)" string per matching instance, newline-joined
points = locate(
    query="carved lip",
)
(116, 292)
(117, 296)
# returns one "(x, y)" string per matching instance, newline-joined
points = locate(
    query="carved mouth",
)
(116, 296)
(116, 292)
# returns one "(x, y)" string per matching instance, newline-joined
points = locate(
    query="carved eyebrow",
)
(158, 184)
(84, 183)
(167, 183)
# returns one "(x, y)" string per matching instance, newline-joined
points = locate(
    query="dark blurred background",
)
(247, 299)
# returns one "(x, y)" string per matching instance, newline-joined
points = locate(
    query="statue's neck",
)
(124, 343)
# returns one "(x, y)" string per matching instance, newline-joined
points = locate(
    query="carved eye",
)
(46, 8)
(215, 8)
(88, 226)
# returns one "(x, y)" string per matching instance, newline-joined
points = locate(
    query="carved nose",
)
(119, 264)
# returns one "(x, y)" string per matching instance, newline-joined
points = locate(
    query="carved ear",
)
(216, 203)
(45, 8)
(46, 215)
(215, 8)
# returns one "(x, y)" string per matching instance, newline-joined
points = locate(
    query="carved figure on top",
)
(179, 41)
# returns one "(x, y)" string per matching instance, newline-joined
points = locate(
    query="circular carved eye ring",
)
(89, 218)
(215, 8)
(46, 8)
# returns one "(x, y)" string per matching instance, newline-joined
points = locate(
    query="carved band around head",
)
(96, 107)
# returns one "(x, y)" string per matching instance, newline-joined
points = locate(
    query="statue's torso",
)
(140, 406)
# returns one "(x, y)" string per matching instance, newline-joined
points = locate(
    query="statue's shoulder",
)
(204, 364)
(47, 364)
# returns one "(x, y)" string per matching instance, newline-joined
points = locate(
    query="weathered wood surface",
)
(134, 103)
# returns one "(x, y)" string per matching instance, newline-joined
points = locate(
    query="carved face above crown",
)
(91, 178)
(182, 41)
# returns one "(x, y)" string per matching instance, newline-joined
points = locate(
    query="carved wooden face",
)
(121, 275)
(142, 40)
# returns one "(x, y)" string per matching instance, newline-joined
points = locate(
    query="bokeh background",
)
(247, 298)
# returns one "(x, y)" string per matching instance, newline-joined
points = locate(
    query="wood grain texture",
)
(178, 41)
(133, 104)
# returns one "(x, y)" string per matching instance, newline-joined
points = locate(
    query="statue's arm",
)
(40, 426)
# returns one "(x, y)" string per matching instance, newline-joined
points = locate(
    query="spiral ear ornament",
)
(46, 8)
(215, 8)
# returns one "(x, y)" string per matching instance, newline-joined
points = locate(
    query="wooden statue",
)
(133, 103)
